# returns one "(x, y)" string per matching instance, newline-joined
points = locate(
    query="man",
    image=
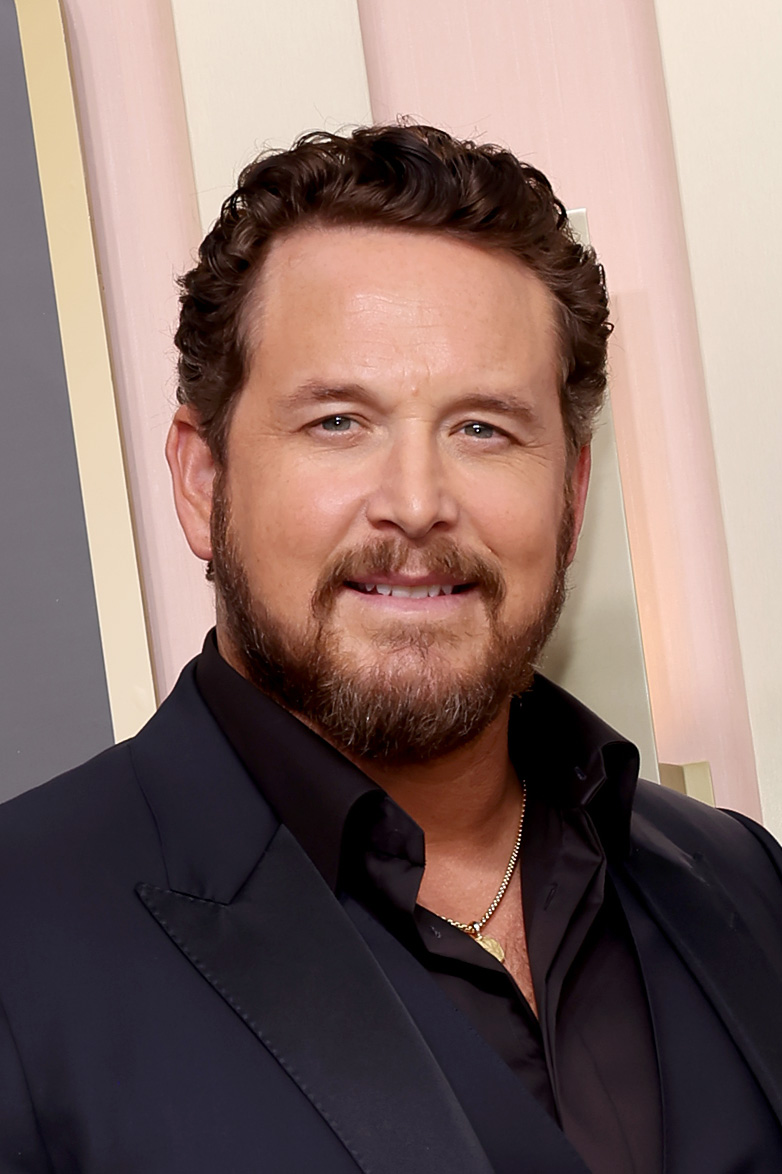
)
(366, 893)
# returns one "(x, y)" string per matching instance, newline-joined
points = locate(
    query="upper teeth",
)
(406, 592)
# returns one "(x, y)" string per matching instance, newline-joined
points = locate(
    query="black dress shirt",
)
(590, 1056)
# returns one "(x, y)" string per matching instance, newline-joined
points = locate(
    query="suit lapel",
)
(513, 1127)
(286, 958)
(246, 906)
(713, 937)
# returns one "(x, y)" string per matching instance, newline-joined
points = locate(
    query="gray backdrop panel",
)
(54, 706)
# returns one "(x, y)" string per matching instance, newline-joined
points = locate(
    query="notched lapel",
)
(713, 938)
(289, 962)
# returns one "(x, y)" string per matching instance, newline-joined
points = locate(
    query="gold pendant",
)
(491, 946)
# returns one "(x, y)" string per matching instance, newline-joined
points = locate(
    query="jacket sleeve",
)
(21, 1147)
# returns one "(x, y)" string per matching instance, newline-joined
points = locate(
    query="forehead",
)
(400, 297)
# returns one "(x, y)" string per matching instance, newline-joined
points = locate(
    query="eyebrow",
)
(510, 404)
(325, 393)
(502, 405)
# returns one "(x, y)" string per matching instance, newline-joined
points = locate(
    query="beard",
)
(410, 705)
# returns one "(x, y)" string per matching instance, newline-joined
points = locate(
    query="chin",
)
(412, 655)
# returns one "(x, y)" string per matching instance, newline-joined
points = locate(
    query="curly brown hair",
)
(403, 176)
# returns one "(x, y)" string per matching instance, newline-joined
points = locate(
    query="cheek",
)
(289, 523)
(522, 531)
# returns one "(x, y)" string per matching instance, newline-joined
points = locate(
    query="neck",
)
(468, 805)
(463, 798)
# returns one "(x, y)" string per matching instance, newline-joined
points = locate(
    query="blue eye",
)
(337, 423)
(480, 431)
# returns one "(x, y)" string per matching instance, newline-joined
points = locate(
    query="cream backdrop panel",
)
(724, 83)
(257, 73)
(596, 652)
(96, 430)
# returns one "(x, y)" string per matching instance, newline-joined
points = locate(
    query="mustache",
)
(389, 556)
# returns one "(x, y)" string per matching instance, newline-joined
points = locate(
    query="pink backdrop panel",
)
(145, 216)
(577, 89)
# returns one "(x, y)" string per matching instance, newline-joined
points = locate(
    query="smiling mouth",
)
(411, 591)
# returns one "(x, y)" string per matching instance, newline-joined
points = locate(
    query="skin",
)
(401, 384)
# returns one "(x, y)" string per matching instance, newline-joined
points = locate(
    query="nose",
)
(412, 492)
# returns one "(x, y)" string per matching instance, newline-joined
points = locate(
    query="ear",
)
(579, 484)
(192, 472)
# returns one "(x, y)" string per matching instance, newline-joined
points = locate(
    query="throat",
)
(465, 800)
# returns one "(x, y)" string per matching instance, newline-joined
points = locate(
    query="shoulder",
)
(701, 826)
(75, 832)
(71, 853)
(737, 850)
(95, 815)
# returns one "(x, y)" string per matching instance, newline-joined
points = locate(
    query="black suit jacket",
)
(181, 992)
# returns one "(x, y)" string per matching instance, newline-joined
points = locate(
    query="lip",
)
(428, 603)
(417, 586)
(401, 580)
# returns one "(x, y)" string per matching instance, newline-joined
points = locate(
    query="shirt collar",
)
(309, 785)
(572, 759)
(566, 754)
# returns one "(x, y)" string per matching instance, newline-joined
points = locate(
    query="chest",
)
(508, 929)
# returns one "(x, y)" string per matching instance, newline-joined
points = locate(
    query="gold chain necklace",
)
(474, 927)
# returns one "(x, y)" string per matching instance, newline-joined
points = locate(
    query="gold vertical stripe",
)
(115, 569)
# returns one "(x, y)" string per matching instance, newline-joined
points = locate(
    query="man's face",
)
(393, 508)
